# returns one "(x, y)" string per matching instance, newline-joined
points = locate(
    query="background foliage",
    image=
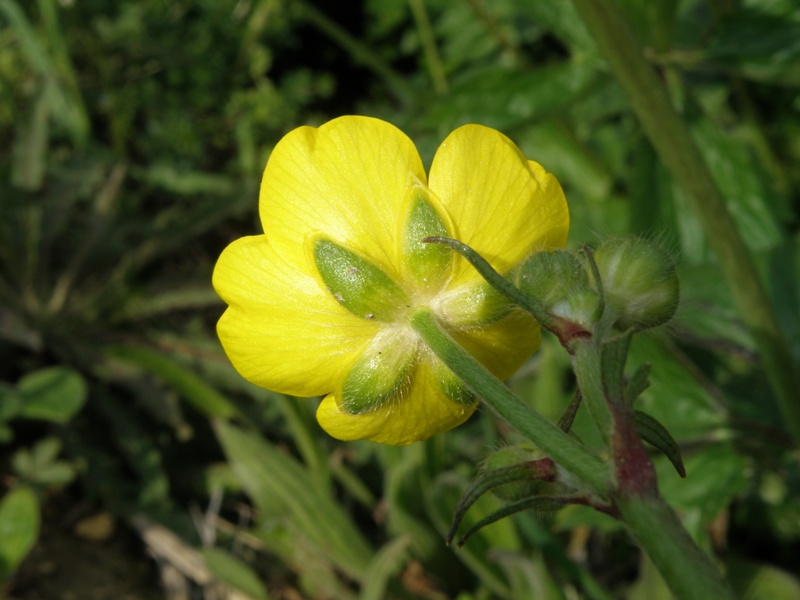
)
(136, 135)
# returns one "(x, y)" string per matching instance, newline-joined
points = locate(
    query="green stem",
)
(428, 40)
(587, 367)
(673, 143)
(563, 449)
(687, 570)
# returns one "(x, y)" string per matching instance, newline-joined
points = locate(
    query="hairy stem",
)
(559, 446)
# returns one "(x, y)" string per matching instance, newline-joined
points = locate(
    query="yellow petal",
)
(282, 331)
(348, 179)
(422, 412)
(504, 345)
(503, 205)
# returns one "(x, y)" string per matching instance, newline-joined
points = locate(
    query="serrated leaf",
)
(654, 433)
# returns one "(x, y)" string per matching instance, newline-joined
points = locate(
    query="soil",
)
(70, 563)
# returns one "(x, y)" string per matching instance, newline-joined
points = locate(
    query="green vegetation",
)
(136, 133)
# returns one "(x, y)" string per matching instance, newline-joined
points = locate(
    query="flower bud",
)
(558, 281)
(510, 456)
(639, 282)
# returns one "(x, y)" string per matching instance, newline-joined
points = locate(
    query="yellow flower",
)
(320, 303)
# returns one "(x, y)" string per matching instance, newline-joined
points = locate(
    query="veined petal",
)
(282, 331)
(503, 205)
(423, 411)
(347, 178)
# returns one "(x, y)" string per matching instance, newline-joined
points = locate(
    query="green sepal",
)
(428, 265)
(568, 416)
(359, 285)
(497, 281)
(542, 470)
(638, 383)
(379, 374)
(545, 505)
(455, 389)
(655, 434)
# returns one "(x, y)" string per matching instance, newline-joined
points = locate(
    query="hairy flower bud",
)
(639, 282)
(510, 456)
(559, 282)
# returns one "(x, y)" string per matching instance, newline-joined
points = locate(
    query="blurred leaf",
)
(148, 305)
(714, 477)
(316, 573)
(529, 577)
(583, 516)
(186, 183)
(650, 585)
(507, 98)
(142, 454)
(388, 561)
(30, 147)
(19, 528)
(39, 465)
(760, 40)
(234, 572)
(55, 394)
(10, 402)
(756, 581)
(442, 498)
(202, 396)
(753, 205)
(677, 397)
(552, 143)
(560, 17)
(707, 311)
(279, 485)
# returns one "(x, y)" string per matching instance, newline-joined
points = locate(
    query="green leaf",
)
(19, 528)
(654, 433)
(234, 572)
(279, 485)
(55, 394)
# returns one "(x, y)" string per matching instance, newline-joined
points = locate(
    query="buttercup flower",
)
(319, 304)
